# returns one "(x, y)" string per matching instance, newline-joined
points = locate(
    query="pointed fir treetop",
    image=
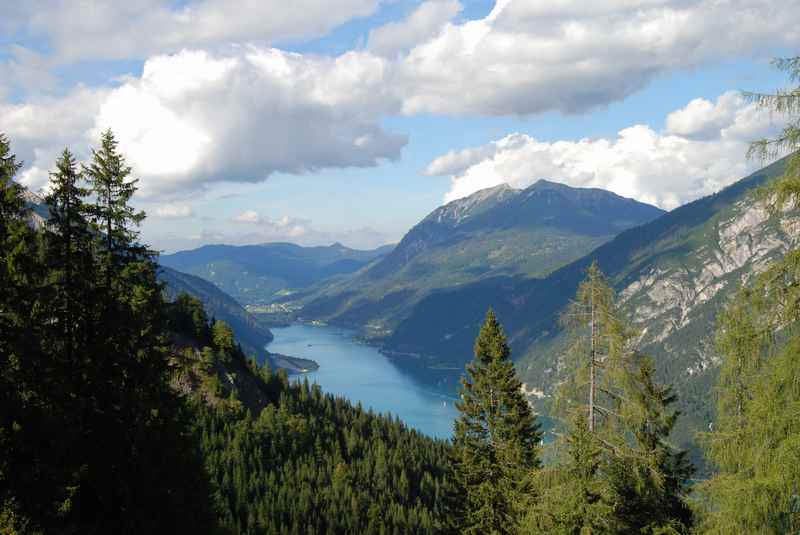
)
(109, 176)
(491, 344)
(11, 204)
(108, 165)
(65, 192)
(8, 161)
(496, 438)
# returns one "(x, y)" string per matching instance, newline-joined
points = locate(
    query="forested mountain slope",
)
(672, 274)
(253, 274)
(251, 334)
(496, 231)
(287, 458)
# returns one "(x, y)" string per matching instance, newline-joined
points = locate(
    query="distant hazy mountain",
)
(673, 275)
(494, 232)
(253, 274)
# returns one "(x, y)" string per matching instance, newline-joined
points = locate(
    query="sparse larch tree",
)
(616, 471)
(755, 442)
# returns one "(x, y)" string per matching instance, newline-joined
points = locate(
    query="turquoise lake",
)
(360, 372)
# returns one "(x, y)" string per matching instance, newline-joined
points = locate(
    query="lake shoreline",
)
(353, 368)
(294, 365)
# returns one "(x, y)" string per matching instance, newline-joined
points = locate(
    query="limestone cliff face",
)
(673, 276)
(669, 299)
(39, 212)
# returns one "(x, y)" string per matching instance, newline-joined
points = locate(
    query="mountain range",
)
(253, 274)
(523, 253)
(672, 275)
(495, 232)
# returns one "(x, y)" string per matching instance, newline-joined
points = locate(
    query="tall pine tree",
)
(113, 187)
(147, 461)
(496, 440)
(21, 405)
(70, 257)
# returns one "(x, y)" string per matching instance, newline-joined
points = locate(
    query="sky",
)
(316, 122)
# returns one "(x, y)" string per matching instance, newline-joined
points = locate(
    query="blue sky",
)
(311, 125)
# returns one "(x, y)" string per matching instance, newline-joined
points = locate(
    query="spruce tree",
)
(15, 237)
(496, 439)
(18, 256)
(573, 497)
(783, 103)
(649, 477)
(70, 256)
(20, 359)
(116, 219)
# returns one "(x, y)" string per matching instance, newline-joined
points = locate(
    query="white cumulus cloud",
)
(39, 129)
(195, 118)
(174, 211)
(219, 112)
(111, 29)
(280, 228)
(701, 151)
(425, 22)
(572, 55)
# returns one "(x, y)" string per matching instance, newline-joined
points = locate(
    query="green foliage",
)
(648, 475)
(573, 497)
(599, 353)
(784, 103)
(187, 316)
(109, 177)
(222, 336)
(756, 440)
(13, 522)
(20, 274)
(616, 470)
(496, 440)
(312, 463)
(755, 443)
(93, 438)
(249, 332)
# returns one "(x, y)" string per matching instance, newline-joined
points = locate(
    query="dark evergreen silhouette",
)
(496, 440)
(95, 440)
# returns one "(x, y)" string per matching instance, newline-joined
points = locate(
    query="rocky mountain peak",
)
(462, 209)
